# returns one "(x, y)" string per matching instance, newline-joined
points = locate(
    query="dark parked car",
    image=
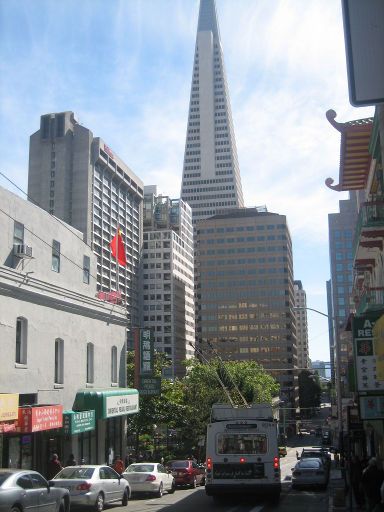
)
(187, 472)
(317, 452)
(23, 490)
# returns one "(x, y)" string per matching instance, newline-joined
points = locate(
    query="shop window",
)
(90, 363)
(114, 365)
(21, 340)
(59, 361)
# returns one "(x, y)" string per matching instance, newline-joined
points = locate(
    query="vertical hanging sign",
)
(146, 352)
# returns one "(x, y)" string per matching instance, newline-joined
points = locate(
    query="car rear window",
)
(140, 468)
(179, 464)
(309, 464)
(75, 473)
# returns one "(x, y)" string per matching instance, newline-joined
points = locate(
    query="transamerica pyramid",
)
(211, 178)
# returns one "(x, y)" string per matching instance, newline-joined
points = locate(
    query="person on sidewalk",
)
(356, 472)
(54, 466)
(372, 480)
(118, 465)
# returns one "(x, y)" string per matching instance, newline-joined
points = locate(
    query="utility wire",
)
(227, 373)
(201, 353)
(31, 199)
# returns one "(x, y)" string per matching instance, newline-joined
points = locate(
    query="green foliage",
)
(185, 404)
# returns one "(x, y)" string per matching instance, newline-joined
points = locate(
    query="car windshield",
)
(309, 464)
(3, 477)
(140, 468)
(74, 473)
(179, 463)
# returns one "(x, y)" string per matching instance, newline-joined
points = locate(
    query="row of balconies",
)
(368, 245)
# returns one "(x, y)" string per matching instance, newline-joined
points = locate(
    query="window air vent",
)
(22, 251)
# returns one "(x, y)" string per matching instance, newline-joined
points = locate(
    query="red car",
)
(187, 472)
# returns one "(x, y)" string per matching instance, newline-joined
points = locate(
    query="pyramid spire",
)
(208, 17)
(211, 178)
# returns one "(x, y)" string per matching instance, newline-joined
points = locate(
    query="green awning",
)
(107, 403)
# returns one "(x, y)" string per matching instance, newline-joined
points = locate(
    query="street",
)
(190, 500)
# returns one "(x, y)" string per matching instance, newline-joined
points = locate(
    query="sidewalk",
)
(339, 499)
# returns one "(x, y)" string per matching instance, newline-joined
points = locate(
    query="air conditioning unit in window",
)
(22, 251)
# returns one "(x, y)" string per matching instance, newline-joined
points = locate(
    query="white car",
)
(93, 486)
(149, 477)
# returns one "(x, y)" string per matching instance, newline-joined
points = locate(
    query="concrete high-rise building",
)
(211, 178)
(168, 277)
(341, 228)
(77, 178)
(301, 325)
(245, 292)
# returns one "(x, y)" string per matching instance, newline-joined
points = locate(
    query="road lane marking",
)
(257, 509)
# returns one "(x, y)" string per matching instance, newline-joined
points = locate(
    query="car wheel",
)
(173, 488)
(125, 499)
(99, 505)
(194, 483)
(160, 491)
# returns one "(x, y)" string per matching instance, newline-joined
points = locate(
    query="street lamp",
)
(337, 376)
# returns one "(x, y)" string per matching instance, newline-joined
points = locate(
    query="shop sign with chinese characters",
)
(372, 407)
(36, 419)
(368, 336)
(146, 351)
(76, 422)
(9, 406)
(119, 405)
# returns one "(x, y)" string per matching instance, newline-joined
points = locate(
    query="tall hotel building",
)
(211, 177)
(245, 292)
(301, 325)
(168, 286)
(77, 178)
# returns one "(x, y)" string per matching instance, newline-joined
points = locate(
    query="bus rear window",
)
(241, 444)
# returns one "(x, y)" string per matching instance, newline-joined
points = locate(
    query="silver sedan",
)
(93, 486)
(310, 472)
(26, 490)
(150, 477)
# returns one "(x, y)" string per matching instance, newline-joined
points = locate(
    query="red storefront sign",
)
(7, 427)
(35, 419)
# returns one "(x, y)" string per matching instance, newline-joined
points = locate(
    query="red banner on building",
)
(35, 419)
(7, 427)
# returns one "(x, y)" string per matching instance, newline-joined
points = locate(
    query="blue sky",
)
(124, 67)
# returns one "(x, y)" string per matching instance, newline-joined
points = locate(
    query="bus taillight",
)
(242, 460)
(276, 462)
(209, 463)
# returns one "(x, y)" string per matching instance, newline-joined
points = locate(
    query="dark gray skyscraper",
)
(211, 177)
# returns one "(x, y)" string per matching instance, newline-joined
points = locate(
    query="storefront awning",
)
(107, 403)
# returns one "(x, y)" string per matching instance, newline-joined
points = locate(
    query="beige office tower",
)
(211, 177)
(245, 293)
(301, 325)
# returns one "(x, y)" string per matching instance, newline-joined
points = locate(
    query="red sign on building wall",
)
(35, 419)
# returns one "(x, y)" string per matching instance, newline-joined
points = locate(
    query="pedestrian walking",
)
(118, 465)
(54, 466)
(372, 479)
